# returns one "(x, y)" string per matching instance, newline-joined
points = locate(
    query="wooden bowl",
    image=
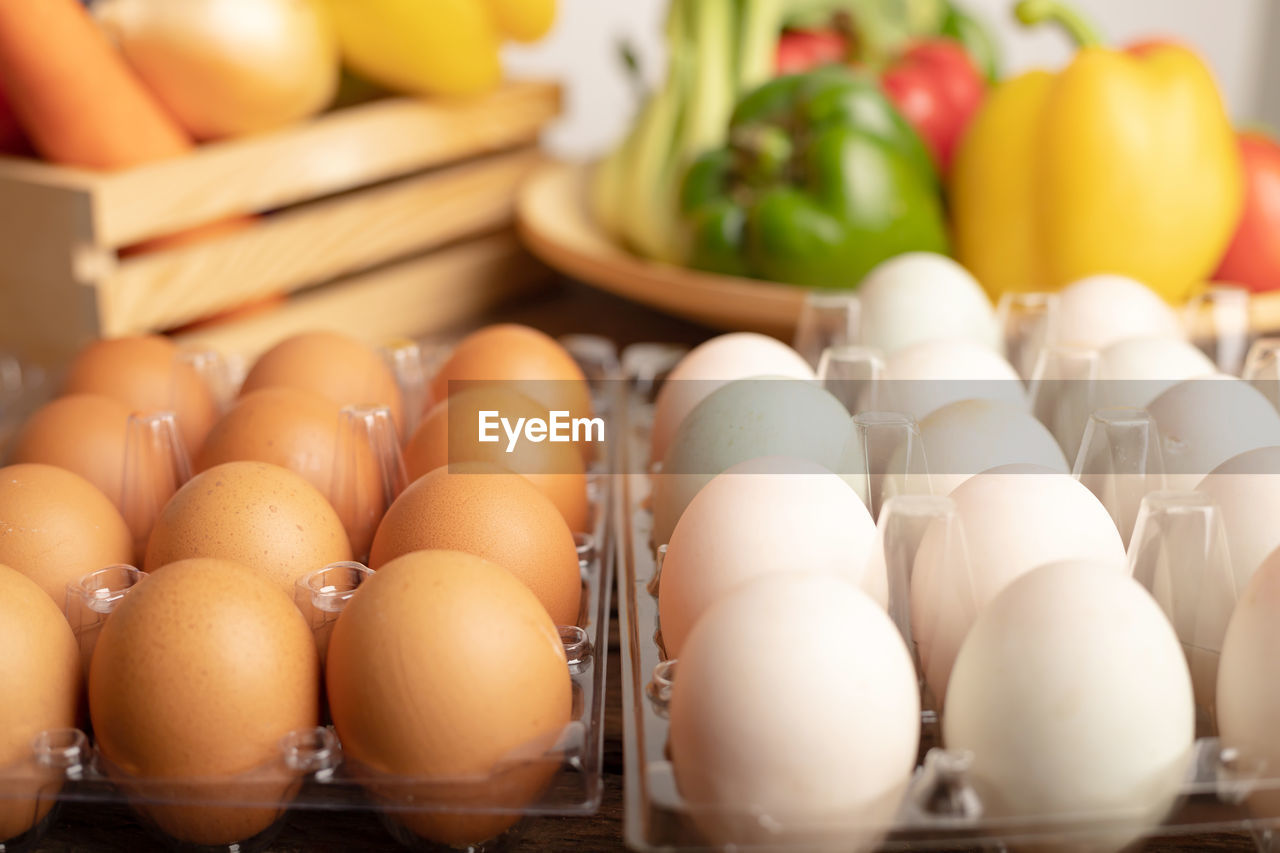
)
(554, 222)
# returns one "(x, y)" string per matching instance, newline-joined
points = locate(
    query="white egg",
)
(1248, 701)
(710, 365)
(1135, 371)
(1130, 374)
(969, 436)
(746, 419)
(774, 514)
(1101, 310)
(795, 716)
(924, 377)
(1011, 519)
(1073, 696)
(920, 296)
(1205, 422)
(1246, 489)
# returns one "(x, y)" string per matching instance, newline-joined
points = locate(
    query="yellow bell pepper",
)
(523, 20)
(435, 47)
(1125, 162)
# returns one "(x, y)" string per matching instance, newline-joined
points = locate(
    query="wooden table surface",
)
(565, 309)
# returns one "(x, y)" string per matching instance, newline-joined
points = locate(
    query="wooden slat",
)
(437, 291)
(314, 243)
(333, 153)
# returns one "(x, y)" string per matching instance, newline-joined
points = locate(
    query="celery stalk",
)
(760, 24)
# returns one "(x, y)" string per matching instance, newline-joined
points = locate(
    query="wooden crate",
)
(393, 217)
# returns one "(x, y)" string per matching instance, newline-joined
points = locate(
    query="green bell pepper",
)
(822, 180)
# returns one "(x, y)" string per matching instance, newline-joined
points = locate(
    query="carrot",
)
(73, 94)
(197, 234)
(80, 104)
(252, 308)
(12, 141)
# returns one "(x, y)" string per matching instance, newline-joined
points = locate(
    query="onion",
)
(228, 67)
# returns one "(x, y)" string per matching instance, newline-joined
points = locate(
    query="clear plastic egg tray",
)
(1176, 551)
(310, 773)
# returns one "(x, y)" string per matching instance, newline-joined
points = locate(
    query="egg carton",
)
(1223, 320)
(310, 772)
(1177, 551)
(23, 386)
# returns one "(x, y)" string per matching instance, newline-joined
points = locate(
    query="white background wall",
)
(583, 49)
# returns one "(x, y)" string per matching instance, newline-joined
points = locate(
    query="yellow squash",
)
(1125, 162)
(435, 47)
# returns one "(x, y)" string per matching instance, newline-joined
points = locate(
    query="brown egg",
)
(84, 433)
(147, 374)
(200, 672)
(532, 362)
(301, 430)
(441, 666)
(56, 527)
(485, 510)
(254, 513)
(450, 434)
(341, 368)
(40, 681)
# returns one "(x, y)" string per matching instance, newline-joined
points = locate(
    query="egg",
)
(253, 513)
(531, 362)
(1012, 519)
(290, 427)
(334, 365)
(482, 509)
(147, 374)
(1248, 694)
(707, 367)
(302, 431)
(450, 434)
(40, 679)
(743, 420)
(1072, 694)
(1101, 310)
(1205, 422)
(920, 296)
(774, 514)
(795, 716)
(84, 433)
(1129, 374)
(924, 377)
(56, 527)
(197, 675)
(444, 667)
(1135, 371)
(963, 438)
(1246, 488)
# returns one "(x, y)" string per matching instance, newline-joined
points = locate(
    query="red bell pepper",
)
(938, 88)
(1253, 258)
(804, 50)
